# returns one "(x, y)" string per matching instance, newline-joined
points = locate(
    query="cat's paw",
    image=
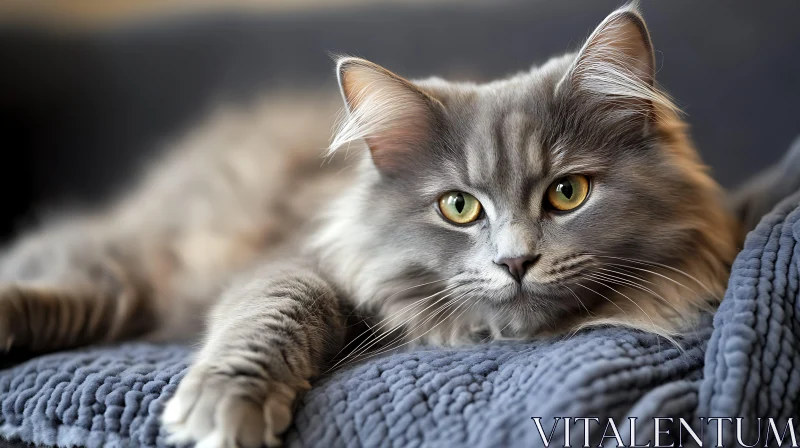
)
(229, 409)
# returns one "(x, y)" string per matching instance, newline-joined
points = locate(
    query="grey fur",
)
(213, 224)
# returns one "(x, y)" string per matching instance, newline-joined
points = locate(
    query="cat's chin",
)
(530, 305)
(525, 292)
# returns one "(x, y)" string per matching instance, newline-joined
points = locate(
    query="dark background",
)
(81, 111)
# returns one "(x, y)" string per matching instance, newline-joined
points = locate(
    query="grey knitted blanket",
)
(499, 394)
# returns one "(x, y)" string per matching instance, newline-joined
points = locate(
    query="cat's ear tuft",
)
(617, 63)
(392, 115)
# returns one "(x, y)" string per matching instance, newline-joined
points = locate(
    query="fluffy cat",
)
(558, 198)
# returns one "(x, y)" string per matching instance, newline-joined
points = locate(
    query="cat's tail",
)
(69, 285)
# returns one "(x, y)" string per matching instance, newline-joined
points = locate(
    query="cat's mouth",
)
(532, 301)
(525, 291)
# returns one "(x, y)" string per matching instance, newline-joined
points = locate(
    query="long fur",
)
(288, 264)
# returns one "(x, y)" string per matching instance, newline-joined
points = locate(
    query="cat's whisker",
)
(601, 295)
(365, 345)
(635, 281)
(625, 274)
(435, 312)
(439, 322)
(416, 286)
(472, 305)
(404, 333)
(579, 300)
(387, 320)
(632, 284)
(455, 323)
(654, 326)
(664, 266)
(450, 326)
(658, 274)
(389, 298)
(438, 312)
(359, 350)
(461, 300)
(452, 305)
(614, 276)
(657, 329)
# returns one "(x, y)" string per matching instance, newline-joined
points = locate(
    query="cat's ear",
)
(616, 65)
(392, 115)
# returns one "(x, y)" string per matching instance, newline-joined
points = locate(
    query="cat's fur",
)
(225, 220)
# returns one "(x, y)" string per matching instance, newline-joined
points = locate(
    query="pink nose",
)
(517, 266)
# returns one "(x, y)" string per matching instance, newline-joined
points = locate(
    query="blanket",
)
(739, 363)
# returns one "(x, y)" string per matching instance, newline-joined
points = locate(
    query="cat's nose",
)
(517, 266)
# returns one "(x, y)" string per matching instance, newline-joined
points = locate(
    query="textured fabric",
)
(486, 396)
(753, 362)
(744, 365)
(95, 397)
(483, 395)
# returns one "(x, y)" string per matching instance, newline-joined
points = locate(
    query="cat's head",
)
(567, 190)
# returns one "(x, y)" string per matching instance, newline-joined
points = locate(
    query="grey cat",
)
(563, 197)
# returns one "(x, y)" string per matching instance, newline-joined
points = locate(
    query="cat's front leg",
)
(266, 340)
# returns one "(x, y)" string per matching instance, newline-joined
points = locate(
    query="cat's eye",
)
(568, 193)
(460, 207)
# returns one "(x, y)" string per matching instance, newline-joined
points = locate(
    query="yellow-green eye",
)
(460, 207)
(568, 192)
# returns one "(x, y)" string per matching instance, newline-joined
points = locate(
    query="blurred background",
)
(90, 90)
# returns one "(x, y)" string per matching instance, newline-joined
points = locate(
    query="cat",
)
(444, 213)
